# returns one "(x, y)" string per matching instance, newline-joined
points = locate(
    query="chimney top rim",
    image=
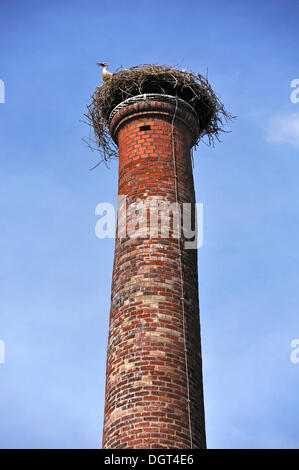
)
(161, 97)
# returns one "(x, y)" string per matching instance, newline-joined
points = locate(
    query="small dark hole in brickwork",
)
(144, 128)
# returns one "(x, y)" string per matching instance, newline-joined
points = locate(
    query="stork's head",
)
(102, 64)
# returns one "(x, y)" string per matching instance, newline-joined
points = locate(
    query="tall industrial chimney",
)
(152, 116)
(154, 389)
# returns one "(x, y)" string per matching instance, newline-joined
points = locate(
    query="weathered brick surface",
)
(146, 388)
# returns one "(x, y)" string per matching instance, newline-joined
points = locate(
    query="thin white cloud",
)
(284, 129)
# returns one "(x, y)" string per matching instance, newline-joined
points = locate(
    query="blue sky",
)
(55, 274)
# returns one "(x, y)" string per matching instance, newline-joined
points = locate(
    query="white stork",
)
(106, 75)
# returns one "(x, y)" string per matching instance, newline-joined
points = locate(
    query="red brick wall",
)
(146, 385)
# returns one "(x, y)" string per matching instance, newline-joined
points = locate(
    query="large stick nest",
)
(126, 83)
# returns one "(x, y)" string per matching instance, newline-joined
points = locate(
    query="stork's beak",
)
(101, 64)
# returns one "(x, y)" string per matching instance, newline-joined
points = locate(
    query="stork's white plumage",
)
(105, 74)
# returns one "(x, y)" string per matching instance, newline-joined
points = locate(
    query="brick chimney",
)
(154, 390)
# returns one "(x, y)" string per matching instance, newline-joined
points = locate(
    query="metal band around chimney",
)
(153, 97)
